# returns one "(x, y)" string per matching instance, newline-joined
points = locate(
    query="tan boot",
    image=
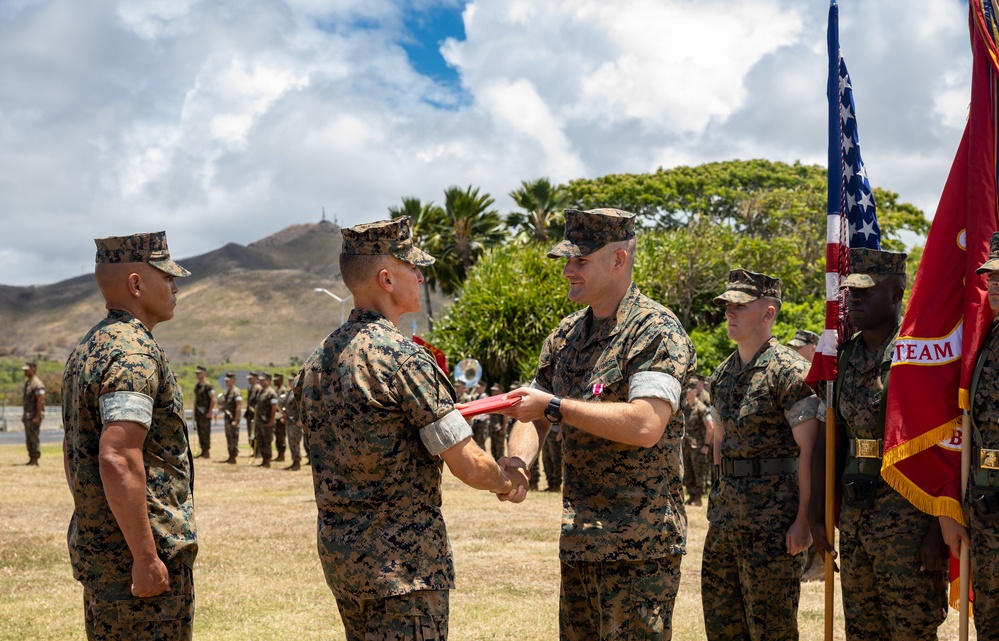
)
(33, 461)
(231, 460)
(266, 463)
(294, 467)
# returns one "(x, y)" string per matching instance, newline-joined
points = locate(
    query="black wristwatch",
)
(554, 411)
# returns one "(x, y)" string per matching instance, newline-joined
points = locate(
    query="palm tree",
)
(542, 218)
(469, 228)
(427, 222)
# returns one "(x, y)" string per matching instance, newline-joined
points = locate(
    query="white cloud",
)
(225, 121)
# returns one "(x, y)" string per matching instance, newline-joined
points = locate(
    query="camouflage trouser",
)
(204, 426)
(31, 429)
(280, 435)
(265, 435)
(618, 600)
(417, 616)
(113, 614)
(551, 453)
(231, 437)
(695, 471)
(750, 585)
(985, 574)
(885, 596)
(295, 441)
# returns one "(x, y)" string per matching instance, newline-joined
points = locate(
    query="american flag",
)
(857, 199)
(851, 219)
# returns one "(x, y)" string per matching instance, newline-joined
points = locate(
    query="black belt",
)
(758, 466)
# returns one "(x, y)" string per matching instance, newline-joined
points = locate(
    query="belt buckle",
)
(988, 459)
(868, 448)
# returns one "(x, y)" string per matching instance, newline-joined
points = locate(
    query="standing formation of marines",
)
(613, 392)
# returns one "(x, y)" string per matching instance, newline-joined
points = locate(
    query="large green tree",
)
(698, 222)
(469, 227)
(542, 218)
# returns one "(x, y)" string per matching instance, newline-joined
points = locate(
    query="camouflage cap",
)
(588, 231)
(29, 365)
(868, 267)
(278, 375)
(230, 375)
(803, 337)
(199, 368)
(496, 387)
(139, 248)
(251, 375)
(992, 264)
(745, 287)
(263, 376)
(385, 238)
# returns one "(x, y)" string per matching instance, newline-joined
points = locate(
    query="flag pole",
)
(834, 185)
(830, 500)
(965, 552)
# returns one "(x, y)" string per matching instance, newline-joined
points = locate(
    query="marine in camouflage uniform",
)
(121, 402)
(293, 419)
(696, 419)
(892, 558)
(981, 499)
(758, 532)
(204, 402)
(380, 417)
(252, 393)
(232, 403)
(280, 428)
(611, 375)
(33, 401)
(265, 417)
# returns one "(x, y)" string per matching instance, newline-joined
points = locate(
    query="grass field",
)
(258, 576)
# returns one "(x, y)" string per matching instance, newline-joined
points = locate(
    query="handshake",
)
(517, 473)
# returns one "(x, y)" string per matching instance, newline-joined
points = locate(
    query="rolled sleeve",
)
(803, 410)
(445, 433)
(535, 385)
(127, 406)
(655, 385)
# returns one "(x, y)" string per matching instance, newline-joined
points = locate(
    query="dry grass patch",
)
(258, 575)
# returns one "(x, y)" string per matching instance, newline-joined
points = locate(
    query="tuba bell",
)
(468, 371)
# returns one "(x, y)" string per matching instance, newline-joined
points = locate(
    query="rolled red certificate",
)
(488, 405)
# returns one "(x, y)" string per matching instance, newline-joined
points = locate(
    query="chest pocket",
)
(607, 383)
(758, 400)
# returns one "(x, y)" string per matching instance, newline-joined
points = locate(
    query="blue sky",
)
(227, 120)
(428, 29)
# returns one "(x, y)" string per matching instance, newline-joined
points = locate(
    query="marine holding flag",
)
(982, 497)
(892, 554)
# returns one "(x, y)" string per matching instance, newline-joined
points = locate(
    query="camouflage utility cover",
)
(745, 286)
(868, 267)
(588, 231)
(139, 248)
(385, 238)
(758, 404)
(992, 264)
(365, 394)
(621, 502)
(120, 355)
